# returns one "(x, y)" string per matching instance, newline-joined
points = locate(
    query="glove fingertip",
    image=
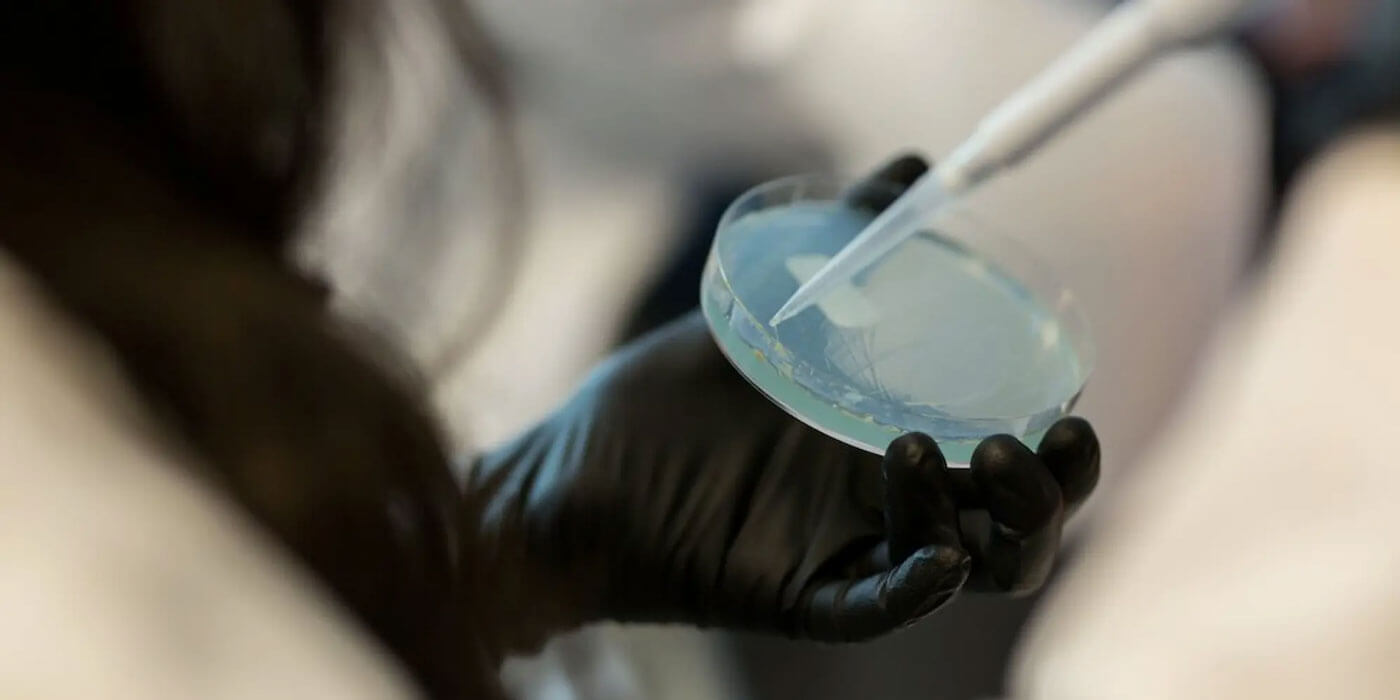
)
(904, 169)
(913, 456)
(1070, 450)
(884, 186)
(936, 567)
(1020, 492)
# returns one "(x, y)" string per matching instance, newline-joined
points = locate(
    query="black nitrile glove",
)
(670, 490)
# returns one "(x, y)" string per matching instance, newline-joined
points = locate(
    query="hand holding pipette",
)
(1125, 40)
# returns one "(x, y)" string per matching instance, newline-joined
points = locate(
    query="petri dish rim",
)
(967, 225)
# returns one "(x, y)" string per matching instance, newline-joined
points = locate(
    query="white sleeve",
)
(1257, 556)
(120, 576)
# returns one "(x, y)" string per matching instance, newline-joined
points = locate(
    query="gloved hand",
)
(669, 490)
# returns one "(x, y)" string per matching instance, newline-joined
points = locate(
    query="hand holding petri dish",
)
(957, 333)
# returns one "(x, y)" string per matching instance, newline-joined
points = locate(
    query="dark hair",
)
(156, 155)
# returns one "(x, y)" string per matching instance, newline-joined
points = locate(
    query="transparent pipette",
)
(1126, 39)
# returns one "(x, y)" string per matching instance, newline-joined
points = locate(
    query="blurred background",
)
(635, 122)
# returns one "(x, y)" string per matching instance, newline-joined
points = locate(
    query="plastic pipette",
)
(1129, 37)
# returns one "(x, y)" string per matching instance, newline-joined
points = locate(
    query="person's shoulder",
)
(59, 391)
(122, 575)
(1341, 218)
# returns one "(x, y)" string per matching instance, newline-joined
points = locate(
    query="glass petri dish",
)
(959, 333)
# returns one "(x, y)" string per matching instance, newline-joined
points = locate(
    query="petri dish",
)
(959, 333)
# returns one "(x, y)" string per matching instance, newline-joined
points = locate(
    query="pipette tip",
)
(786, 312)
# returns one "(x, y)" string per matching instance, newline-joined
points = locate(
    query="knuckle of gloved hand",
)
(1019, 578)
(924, 582)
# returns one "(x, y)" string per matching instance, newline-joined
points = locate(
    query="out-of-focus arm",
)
(1257, 556)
